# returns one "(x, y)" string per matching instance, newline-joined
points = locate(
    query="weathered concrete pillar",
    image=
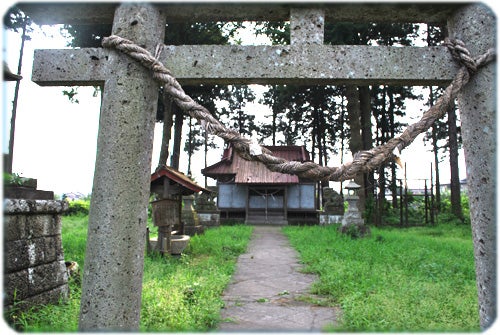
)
(112, 281)
(476, 25)
(307, 26)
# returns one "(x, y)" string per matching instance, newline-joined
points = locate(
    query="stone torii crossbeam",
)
(116, 240)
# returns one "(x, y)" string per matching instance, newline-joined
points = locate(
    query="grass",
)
(179, 294)
(417, 279)
(184, 294)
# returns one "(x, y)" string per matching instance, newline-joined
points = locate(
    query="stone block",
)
(52, 296)
(46, 277)
(27, 193)
(209, 219)
(328, 219)
(16, 286)
(43, 225)
(307, 25)
(53, 249)
(14, 227)
(27, 206)
(16, 255)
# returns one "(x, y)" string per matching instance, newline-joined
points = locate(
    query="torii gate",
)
(112, 283)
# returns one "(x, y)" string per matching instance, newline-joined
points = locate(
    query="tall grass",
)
(184, 294)
(179, 294)
(418, 279)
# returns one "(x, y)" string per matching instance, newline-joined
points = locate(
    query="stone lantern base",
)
(355, 230)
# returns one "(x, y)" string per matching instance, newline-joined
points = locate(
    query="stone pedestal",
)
(190, 218)
(352, 222)
(352, 216)
(205, 207)
(328, 219)
(209, 219)
(34, 268)
(333, 207)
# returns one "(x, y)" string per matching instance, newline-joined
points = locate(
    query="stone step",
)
(262, 219)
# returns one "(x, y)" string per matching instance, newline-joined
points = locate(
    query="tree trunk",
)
(274, 125)
(10, 156)
(366, 133)
(167, 130)
(381, 197)
(456, 205)
(393, 185)
(179, 120)
(356, 142)
(190, 145)
(342, 137)
(435, 150)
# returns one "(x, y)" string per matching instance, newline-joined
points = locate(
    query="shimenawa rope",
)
(363, 161)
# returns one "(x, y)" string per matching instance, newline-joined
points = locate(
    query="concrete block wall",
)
(34, 268)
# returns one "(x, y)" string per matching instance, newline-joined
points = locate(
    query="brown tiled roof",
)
(252, 172)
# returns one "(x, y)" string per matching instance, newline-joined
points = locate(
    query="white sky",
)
(55, 140)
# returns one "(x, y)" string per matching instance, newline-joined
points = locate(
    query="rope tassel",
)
(363, 161)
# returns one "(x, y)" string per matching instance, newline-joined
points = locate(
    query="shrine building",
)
(249, 192)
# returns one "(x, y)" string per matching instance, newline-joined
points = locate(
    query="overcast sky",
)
(56, 140)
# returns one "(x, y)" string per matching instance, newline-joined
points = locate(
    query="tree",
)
(361, 138)
(16, 21)
(233, 115)
(356, 140)
(293, 100)
(434, 136)
(453, 130)
(179, 33)
(165, 108)
(435, 34)
(445, 130)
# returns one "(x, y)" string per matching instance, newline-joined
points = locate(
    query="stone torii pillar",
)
(112, 280)
(114, 259)
(476, 24)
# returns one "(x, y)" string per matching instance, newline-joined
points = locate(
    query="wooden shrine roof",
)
(187, 185)
(252, 172)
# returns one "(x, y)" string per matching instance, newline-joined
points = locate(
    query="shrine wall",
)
(34, 268)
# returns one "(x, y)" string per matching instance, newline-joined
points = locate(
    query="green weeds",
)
(184, 294)
(417, 279)
(179, 293)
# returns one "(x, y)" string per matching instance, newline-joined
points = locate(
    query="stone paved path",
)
(262, 295)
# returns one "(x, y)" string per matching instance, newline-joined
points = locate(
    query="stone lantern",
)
(352, 216)
(190, 217)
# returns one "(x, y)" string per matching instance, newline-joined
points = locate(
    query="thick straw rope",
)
(363, 161)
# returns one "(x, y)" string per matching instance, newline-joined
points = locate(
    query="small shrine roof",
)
(187, 186)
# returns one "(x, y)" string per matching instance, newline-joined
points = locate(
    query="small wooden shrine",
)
(169, 186)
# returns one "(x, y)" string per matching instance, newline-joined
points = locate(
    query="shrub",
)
(78, 207)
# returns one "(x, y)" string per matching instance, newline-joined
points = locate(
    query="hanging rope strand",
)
(363, 161)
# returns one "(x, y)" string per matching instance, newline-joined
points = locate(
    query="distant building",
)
(249, 192)
(73, 196)
(447, 187)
